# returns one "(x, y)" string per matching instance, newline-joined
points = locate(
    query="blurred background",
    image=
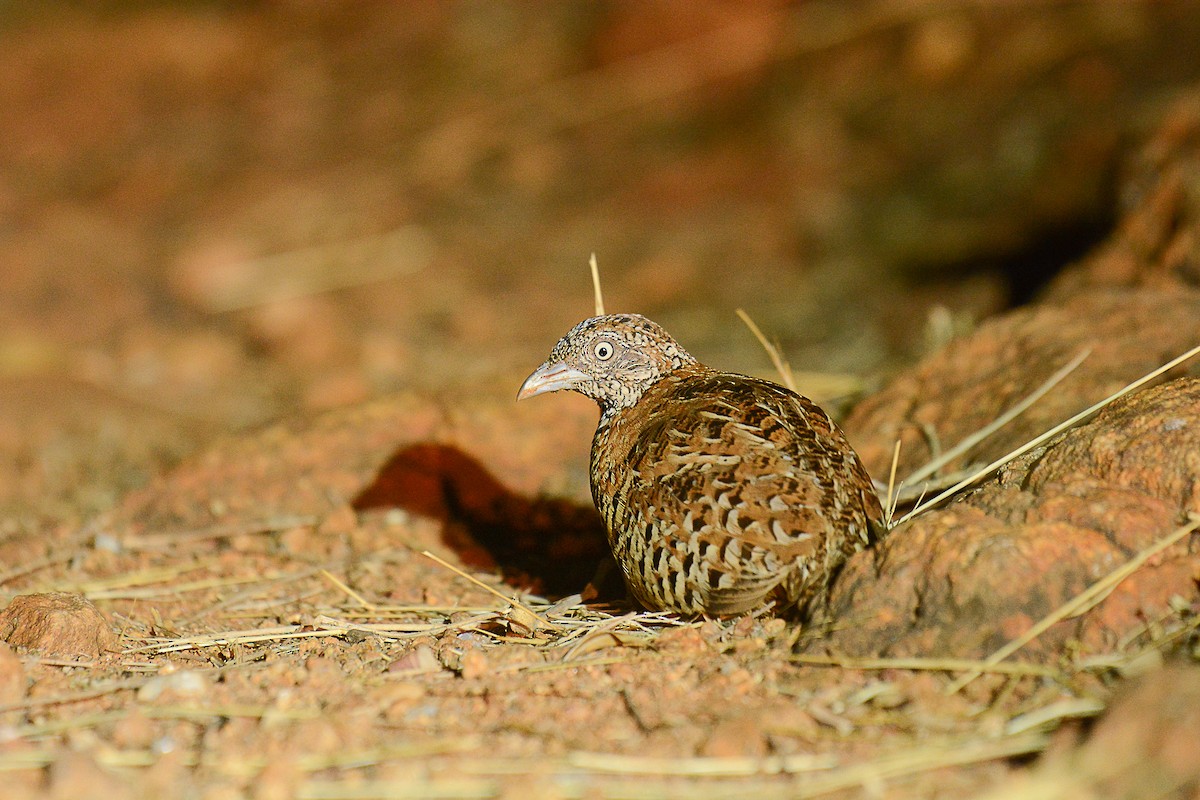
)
(217, 214)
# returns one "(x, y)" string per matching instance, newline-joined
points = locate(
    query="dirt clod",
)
(57, 623)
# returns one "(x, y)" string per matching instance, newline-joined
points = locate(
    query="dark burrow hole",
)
(546, 545)
(1029, 266)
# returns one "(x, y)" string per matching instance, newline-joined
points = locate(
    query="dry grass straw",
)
(701, 766)
(599, 295)
(790, 776)
(935, 464)
(321, 627)
(353, 595)
(1050, 716)
(250, 596)
(575, 628)
(169, 539)
(780, 363)
(538, 621)
(828, 775)
(143, 577)
(34, 565)
(415, 789)
(1038, 440)
(927, 665)
(75, 697)
(893, 496)
(152, 582)
(248, 766)
(823, 385)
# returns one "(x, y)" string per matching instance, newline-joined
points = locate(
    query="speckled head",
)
(612, 359)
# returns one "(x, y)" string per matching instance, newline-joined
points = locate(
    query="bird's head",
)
(612, 359)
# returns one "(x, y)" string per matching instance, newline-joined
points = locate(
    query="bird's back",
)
(720, 491)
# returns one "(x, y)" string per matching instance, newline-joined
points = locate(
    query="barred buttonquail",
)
(719, 491)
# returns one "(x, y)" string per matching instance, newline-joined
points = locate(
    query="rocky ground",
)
(271, 525)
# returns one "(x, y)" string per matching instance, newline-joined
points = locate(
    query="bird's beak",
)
(550, 377)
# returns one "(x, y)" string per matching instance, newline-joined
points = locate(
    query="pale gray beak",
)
(552, 376)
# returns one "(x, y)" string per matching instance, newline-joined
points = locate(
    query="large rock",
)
(965, 579)
(470, 475)
(964, 387)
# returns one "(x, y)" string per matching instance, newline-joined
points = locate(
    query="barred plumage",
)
(719, 491)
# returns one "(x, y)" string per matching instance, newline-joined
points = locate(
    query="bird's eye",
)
(603, 350)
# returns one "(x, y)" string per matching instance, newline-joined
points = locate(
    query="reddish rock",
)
(967, 385)
(56, 622)
(479, 468)
(966, 579)
(315, 466)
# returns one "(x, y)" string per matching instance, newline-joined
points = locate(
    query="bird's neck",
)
(608, 415)
(614, 403)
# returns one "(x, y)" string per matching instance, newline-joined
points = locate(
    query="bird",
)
(719, 492)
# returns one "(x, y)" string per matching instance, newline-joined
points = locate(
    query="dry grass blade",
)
(257, 588)
(143, 577)
(158, 541)
(999, 422)
(1051, 715)
(823, 774)
(732, 766)
(781, 366)
(605, 632)
(321, 627)
(170, 590)
(250, 636)
(405, 628)
(229, 712)
(1057, 429)
(65, 551)
(415, 789)
(510, 600)
(818, 385)
(889, 505)
(596, 286)
(56, 726)
(353, 595)
(416, 749)
(1083, 601)
(907, 495)
(926, 664)
(252, 764)
(75, 697)
(922, 759)
(556, 666)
